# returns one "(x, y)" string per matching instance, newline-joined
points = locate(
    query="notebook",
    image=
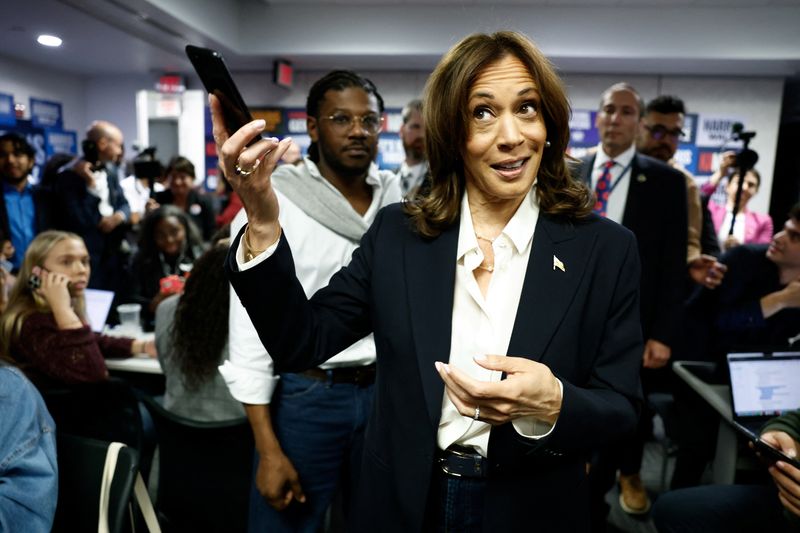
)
(763, 385)
(98, 305)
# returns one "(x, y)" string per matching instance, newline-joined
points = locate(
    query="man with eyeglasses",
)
(309, 426)
(661, 131)
(649, 198)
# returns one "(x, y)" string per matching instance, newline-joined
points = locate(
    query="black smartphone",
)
(34, 282)
(767, 451)
(218, 81)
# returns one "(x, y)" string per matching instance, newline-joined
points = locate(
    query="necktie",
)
(603, 189)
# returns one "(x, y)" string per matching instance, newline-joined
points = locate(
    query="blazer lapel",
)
(431, 269)
(555, 268)
(634, 203)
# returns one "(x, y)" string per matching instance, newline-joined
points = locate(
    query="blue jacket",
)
(28, 467)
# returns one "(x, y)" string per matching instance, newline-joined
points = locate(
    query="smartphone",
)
(766, 450)
(34, 282)
(218, 81)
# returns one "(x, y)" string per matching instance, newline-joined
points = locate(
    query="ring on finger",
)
(477, 414)
(244, 173)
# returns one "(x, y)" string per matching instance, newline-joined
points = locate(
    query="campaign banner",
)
(8, 116)
(61, 142)
(582, 132)
(716, 131)
(46, 114)
(273, 116)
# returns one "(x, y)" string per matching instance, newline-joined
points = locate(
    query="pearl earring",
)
(547, 144)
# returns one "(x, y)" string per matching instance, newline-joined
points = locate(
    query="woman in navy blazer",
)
(497, 132)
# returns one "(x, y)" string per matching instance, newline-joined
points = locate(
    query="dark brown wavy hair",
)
(200, 328)
(446, 115)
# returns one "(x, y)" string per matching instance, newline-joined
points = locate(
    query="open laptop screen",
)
(764, 384)
(98, 304)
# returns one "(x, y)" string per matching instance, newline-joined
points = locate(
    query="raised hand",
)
(248, 169)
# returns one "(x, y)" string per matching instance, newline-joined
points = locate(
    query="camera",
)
(746, 158)
(147, 167)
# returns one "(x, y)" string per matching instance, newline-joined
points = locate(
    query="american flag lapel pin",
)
(557, 264)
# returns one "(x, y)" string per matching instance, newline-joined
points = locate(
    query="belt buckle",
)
(475, 459)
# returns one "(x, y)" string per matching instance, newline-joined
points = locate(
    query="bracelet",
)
(249, 252)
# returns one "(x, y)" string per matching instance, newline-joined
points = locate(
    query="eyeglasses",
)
(660, 132)
(343, 123)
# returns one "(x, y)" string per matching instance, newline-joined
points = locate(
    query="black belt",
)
(361, 376)
(460, 461)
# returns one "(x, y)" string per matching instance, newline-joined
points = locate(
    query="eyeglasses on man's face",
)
(659, 133)
(344, 123)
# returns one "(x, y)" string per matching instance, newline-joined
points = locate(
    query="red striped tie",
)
(603, 189)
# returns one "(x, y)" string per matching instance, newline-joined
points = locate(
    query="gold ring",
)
(244, 173)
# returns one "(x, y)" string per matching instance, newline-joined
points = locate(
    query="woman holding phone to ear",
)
(44, 330)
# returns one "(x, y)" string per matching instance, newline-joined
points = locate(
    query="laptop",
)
(763, 385)
(98, 305)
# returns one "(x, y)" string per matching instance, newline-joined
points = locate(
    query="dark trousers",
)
(320, 426)
(722, 509)
(455, 504)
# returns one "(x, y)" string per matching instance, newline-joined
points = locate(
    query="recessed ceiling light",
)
(49, 40)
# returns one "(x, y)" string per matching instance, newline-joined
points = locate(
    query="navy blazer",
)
(656, 212)
(583, 323)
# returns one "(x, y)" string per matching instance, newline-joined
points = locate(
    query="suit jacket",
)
(583, 323)
(75, 209)
(655, 211)
(757, 226)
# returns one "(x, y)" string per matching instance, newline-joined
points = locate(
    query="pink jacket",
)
(757, 226)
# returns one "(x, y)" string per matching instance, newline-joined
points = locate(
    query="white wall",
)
(25, 81)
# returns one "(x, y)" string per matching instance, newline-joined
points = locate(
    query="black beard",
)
(338, 166)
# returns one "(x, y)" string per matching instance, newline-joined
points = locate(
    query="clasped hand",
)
(530, 389)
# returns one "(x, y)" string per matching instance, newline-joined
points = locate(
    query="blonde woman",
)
(44, 329)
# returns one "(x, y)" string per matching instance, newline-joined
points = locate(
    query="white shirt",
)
(100, 190)
(483, 326)
(725, 227)
(615, 208)
(136, 193)
(411, 176)
(318, 253)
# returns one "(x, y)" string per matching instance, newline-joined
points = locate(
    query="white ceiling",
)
(696, 37)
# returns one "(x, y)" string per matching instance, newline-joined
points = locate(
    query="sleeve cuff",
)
(533, 428)
(248, 386)
(257, 260)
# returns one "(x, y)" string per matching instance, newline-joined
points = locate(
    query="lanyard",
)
(621, 175)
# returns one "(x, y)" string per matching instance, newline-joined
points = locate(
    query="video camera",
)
(147, 167)
(746, 158)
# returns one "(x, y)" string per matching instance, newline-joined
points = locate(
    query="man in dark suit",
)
(88, 200)
(649, 198)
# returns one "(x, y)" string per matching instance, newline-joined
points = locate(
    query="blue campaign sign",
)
(8, 116)
(61, 142)
(46, 114)
(582, 132)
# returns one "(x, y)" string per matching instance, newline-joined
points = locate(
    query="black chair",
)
(107, 410)
(80, 472)
(204, 472)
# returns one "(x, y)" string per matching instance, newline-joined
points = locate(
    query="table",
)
(139, 364)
